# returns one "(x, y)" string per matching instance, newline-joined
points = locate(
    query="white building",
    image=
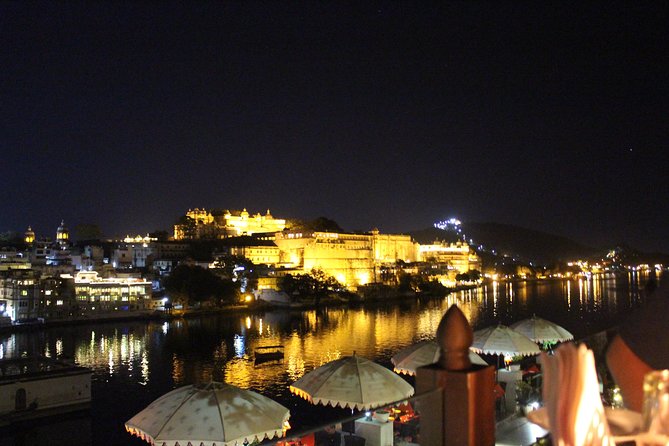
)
(114, 294)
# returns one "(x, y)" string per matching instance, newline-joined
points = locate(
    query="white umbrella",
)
(423, 353)
(209, 414)
(502, 340)
(541, 330)
(353, 382)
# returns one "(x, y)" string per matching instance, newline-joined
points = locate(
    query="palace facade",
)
(352, 259)
(203, 224)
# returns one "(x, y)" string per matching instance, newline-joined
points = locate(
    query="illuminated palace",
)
(352, 259)
(202, 224)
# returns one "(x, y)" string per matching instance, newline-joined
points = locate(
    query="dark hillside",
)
(514, 241)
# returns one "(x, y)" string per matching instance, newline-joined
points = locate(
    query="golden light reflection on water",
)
(113, 354)
(337, 333)
(495, 298)
(522, 292)
(222, 348)
(509, 291)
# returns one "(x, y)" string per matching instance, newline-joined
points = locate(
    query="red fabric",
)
(532, 369)
(499, 391)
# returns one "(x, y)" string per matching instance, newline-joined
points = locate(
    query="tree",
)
(12, 238)
(433, 287)
(190, 284)
(408, 282)
(316, 284)
(320, 224)
(325, 224)
(160, 235)
(462, 277)
(238, 269)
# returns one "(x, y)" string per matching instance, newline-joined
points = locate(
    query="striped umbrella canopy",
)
(423, 353)
(209, 414)
(541, 330)
(502, 340)
(352, 382)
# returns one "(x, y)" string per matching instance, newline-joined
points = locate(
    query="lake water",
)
(134, 363)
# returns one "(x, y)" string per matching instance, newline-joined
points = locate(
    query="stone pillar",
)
(466, 414)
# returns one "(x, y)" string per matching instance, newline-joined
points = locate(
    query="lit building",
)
(169, 250)
(389, 248)
(245, 224)
(138, 239)
(56, 298)
(105, 295)
(11, 259)
(29, 236)
(258, 254)
(18, 294)
(352, 259)
(202, 224)
(39, 250)
(45, 252)
(91, 257)
(459, 256)
(62, 235)
(122, 257)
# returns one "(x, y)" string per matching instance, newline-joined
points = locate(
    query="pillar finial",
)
(454, 336)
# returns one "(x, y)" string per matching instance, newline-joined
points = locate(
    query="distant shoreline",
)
(253, 308)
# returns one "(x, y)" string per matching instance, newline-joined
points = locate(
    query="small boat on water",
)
(268, 353)
(38, 386)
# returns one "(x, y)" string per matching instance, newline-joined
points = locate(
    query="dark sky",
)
(546, 115)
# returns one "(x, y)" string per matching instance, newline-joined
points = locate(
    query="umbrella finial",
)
(454, 336)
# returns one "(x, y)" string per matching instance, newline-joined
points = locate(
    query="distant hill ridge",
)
(521, 243)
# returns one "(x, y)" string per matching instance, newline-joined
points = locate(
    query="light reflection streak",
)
(124, 347)
(522, 291)
(509, 290)
(114, 354)
(240, 347)
(177, 370)
(145, 369)
(495, 299)
(111, 362)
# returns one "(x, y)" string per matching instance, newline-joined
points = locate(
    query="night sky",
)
(546, 115)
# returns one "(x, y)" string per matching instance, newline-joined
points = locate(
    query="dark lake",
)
(136, 362)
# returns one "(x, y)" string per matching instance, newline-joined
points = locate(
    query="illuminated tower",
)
(29, 237)
(62, 234)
